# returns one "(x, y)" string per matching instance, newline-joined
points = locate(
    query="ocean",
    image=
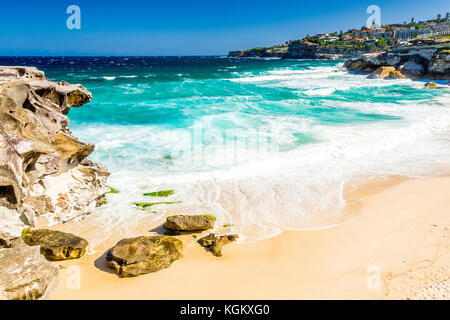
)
(264, 145)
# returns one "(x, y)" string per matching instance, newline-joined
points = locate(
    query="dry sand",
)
(396, 248)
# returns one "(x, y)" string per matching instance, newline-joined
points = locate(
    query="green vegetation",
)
(164, 193)
(26, 232)
(227, 225)
(441, 36)
(416, 25)
(149, 204)
(112, 190)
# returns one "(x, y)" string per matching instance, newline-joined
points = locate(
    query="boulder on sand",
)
(189, 222)
(214, 243)
(135, 256)
(26, 274)
(56, 245)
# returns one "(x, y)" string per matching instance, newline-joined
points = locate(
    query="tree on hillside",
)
(438, 17)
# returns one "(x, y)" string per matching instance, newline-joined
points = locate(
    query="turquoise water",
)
(265, 145)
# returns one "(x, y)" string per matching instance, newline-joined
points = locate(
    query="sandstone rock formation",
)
(189, 222)
(25, 273)
(43, 168)
(214, 243)
(386, 73)
(431, 85)
(56, 245)
(136, 256)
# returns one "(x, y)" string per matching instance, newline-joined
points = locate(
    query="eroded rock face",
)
(214, 243)
(43, 168)
(414, 62)
(441, 64)
(189, 222)
(412, 69)
(56, 245)
(136, 256)
(26, 274)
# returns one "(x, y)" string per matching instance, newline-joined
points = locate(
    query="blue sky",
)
(189, 27)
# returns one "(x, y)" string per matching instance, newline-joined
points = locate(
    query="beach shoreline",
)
(396, 248)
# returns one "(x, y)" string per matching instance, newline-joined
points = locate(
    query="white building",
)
(405, 35)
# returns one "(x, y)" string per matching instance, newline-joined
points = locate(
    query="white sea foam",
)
(262, 194)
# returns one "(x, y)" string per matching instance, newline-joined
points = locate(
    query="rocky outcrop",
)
(298, 49)
(414, 62)
(412, 69)
(189, 222)
(25, 273)
(278, 51)
(386, 73)
(214, 243)
(43, 168)
(236, 54)
(136, 256)
(302, 49)
(56, 245)
(431, 85)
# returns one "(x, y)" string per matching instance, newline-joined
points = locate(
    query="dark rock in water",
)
(56, 245)
(26, 274)
(135, 256)
(190, 222)
(412, 69)
(215, 243)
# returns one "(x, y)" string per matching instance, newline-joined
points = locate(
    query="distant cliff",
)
(302, 49)
(269, 52)
(308, 50)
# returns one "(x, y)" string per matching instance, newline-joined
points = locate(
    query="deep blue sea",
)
(264, 145)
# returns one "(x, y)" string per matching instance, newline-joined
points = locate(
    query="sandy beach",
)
(397, 247)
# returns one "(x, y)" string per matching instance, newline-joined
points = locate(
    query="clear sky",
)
(185, 27)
